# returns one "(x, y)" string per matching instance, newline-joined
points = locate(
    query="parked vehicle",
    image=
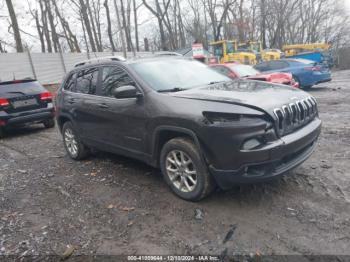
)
(236, 70)
(305, 72)
(225, 51)
(317, 52)
(198, 126)
(24, 102)
(271, 54)
(291, 50)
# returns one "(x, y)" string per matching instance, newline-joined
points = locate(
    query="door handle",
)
(103, 106)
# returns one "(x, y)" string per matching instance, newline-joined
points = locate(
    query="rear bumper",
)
(324, 81)
(284, 155)
(322, 77)
(28, 116)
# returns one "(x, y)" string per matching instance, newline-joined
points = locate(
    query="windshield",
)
(244, 70)
(167, 74)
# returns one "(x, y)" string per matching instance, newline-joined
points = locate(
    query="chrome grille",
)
(294, 115)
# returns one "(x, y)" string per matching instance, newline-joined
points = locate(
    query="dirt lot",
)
(113, 205)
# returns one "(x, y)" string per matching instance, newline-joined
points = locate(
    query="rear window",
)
(21, 86)
(69, 84)
(86, 82)
(303, 61)
(244, 70)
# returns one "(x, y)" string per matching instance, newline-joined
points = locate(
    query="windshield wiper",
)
(174, 89)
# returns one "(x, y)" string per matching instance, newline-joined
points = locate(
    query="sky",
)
(347, 4)
(27, 24)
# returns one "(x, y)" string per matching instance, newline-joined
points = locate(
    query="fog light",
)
(251, 144)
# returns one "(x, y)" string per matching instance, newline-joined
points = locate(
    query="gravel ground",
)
(113, 205)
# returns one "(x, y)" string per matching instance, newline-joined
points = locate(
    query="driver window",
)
(114, 77)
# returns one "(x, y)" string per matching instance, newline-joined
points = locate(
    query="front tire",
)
(184, 170)
(72, 143)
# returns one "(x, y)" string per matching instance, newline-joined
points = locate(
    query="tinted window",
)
(244, 70)
(87, 81)
(275, 65)
(68, 85)
(262, 66)
(114, 77)
(222, 70)
(25, 87)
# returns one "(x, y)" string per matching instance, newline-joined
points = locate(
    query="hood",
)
(279, 78)
(262, 96)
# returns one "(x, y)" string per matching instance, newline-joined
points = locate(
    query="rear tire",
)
(185, 171)
(2, 133)
(72, 143)
(49, 123)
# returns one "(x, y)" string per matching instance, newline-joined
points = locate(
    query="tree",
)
(121, 32)
(109, 25)
(14, 24)
(159, 13)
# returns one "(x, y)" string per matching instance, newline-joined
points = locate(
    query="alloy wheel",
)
(71, 142)
(181, 171)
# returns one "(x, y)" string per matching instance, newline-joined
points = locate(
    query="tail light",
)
(46, 96)
(4, 102)
(2, 122)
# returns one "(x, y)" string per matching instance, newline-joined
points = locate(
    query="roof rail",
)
(100, 59)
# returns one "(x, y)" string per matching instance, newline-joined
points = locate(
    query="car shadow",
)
(142, 174)
(22, 131)
(320, 89)
(135, 168)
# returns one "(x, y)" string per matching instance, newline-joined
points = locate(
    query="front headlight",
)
(217, 118)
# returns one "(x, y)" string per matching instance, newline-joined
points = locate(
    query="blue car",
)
(305, 72)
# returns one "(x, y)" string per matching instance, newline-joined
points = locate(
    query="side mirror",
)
(126, 92)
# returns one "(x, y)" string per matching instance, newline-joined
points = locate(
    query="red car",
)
(235, 70)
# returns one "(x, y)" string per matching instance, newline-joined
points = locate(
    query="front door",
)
(123, 120)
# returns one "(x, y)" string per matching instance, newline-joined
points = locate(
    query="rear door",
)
(84, 102)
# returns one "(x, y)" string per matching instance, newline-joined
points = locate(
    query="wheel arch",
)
(163, 134)
(61, 120)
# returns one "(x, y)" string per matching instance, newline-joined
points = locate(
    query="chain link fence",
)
(47, 68)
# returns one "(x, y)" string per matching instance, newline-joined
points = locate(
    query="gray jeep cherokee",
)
(199, 127)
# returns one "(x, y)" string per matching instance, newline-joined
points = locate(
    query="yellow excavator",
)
(271, 54)
(318, 52)
(291, 50)
(226, 51)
